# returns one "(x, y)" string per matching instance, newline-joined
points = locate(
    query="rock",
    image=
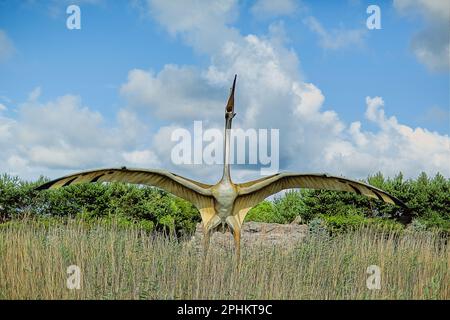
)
(256, 234)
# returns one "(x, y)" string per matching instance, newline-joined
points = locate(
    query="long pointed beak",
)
(230, 103)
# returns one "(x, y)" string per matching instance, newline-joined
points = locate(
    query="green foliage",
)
(154, 209)
(263, 212)
(318, 228)
(283, 209)
(353, 220)
(145, 207)
(383, 224)
(17, 197)
(433, 220)
(428, 199)
(289, 206)
(340, 222)
(418, 226)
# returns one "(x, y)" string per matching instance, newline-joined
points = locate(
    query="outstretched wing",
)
(195, 192)
(253, 192)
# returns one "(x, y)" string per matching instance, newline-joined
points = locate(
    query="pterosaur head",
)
(229, 110)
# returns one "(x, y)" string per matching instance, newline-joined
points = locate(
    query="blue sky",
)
(345, 61)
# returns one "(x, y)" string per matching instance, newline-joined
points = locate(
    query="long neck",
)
(226, 150)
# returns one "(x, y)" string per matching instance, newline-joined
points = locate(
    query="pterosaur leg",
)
(237, 243)
(207, 230)
(206, 241)
(235, 228)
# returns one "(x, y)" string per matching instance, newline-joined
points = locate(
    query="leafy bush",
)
(340, 222)
(353, 220)
(384, 224)
(263, 212)
(318, 228)
(154, 209)
(418, 226)
(428, 199)
(148, 207)
(283, 209)
(289, 206)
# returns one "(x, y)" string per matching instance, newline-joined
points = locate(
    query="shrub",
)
(283, 209)
(341, 222)
(148, 207)
(353, 220)
(318, 228)
(263, 212)
(429, 199)
(291, 205)
(417, 225)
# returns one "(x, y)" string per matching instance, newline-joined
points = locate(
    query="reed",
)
(118, 263)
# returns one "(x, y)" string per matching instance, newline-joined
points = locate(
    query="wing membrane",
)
(195, 192)
(251, 193)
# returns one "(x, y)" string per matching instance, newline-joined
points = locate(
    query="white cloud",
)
(130, 127)
(163, 145)
(269, 8)
(169, 99)
(62, 134)
(5, 131)
(142, 158)
(431, 9)
(393, 147)
(272, 94)
(7, 48)
(34, 94)
(63, 121)
(3, 107)
(202, 23)
(430, 45)
(336, 38)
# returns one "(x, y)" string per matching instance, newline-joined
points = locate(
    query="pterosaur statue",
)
(223, 206)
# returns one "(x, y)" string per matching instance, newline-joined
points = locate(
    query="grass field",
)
(119, 263)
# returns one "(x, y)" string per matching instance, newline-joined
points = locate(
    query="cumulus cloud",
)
(203, 24)
(431, 9)
(162, 145)
(142, 158)
(63, 134)
(7, 48)
(268, 8)
(169, 99)
(430, 45)
(272, 94)
(393, 147)
(336, 38)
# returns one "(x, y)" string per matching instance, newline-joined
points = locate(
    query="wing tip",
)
(44, 186)
(400, 203)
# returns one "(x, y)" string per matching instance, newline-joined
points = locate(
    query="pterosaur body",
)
(223, 206)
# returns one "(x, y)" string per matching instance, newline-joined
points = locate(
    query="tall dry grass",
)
(128, 264)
